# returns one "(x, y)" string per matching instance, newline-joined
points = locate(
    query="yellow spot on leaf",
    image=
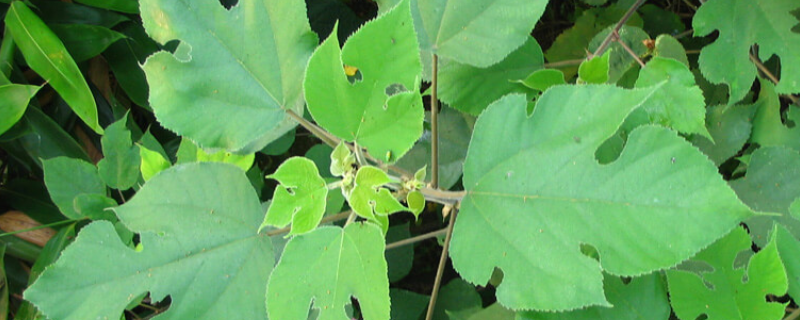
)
(350, 70)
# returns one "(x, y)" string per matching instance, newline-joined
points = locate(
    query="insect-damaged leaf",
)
(300, 197)
(533, 200)
(385, 52)
(234, 73)
(197, 225)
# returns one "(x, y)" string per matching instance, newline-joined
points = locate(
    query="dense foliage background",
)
(583, 159)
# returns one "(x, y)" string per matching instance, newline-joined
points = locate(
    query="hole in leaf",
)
(610, 150)
(356, 77)
(228, 4)
(394, 89)
(702, 317)
(590, 251)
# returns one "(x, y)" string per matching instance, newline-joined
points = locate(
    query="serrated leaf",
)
(620, 61)
(324, 268)
(196, 224)
(257, 69)
(67, 178)
(534, 199)
(14, 100)
(768, 128)
(642, 298)
(152, 162)
(471, 89)
(119, 167)
(679, 104)
(595, 70)
(46, 55)
(733, 293)
(368, 199)
(669, 47)
(730, 127)
(385, 52)
(742, 24)
(300, 198)
(770, 185)
(788, 247)
(457, 29)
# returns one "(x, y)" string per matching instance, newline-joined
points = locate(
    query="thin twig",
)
(350, 218)
(793, 315)
(629, 50)
(121, 196)
(565, 63)
(435, 124)
(336, 217)
(442, 196)
(770, 75)
(416, 239)
(437, 282)
(683, 34)
(607, 41)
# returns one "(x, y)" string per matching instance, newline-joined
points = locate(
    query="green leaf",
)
(257, 69)
(300, 197)
(669, 47)
(770, 185)
(152, 162)
(494, 312)
(124, 58)
(399, 260)
(94, 206)
(730, 293)
(658, 21)
(407, 305)
(620, 60)
(126, 6)
(788, 247)
(56, 12)
(457, 29)
(416, 202)
(742, 24)
(456, 297)
(368, 199)
(119, 167)
(385, 52)
(768, 129)
(679, 104)
(85, 41)
(535, 198)
(543, 79)
(730, 127)
(14, 100)
(342, 160)
(68, 178)
(46, 55)
(189, 152)
(645, 295)
(31, 197)
(471, 89)
(454, 134)
(281, 145)
(197, 229)
(595, 70)
(324, 268)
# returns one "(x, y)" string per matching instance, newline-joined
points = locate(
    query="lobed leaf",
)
(300, 198)
(121, 161)
(768, 126)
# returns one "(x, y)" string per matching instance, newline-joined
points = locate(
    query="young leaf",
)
(325, 268)
(342, 160)
(646, 295)
(197, 226)
(300, 198)
(770, 185)
(14, 100)
(471, 89)
(679, 104)
(595, 70)
(533, 199)
(119, 167)
(368, 199)
(385, 51)
(67, 178)
(228, 66)
(152, 162)
(543, 79)
(731, 294)
(742, 24)
(768, 129)
(46, 55)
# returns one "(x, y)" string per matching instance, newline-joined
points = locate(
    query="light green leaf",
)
(471, 89)
(533, 200)
(119, 167)
(342, 160)
(67, 178)
(324, 268)
(196, 224)
(368, 199)
(543, 79)
(384, 51)
(620, 60)
(457, 29)
(189, 152)
(742, 24)
(152, 162)
(770, 185)
(768, 129)
(46, 55)
(14, 100)
(85, 41)
(643, 297)
(730, 127)
(126, 6)
(669, 47)
(788, 247)
(300, 198)
(595, 70)
(730, 293)
(679, 104)
(231, 80)
(416, 202)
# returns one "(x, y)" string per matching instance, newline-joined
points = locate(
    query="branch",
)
(437, 282)
(416, 239)
(761, 67)
(607, 41)
(435, 124)
(628, 49)
(336, 217)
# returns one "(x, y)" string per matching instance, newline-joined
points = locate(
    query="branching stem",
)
(416, 239)
(628, 49)
(607, 41)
